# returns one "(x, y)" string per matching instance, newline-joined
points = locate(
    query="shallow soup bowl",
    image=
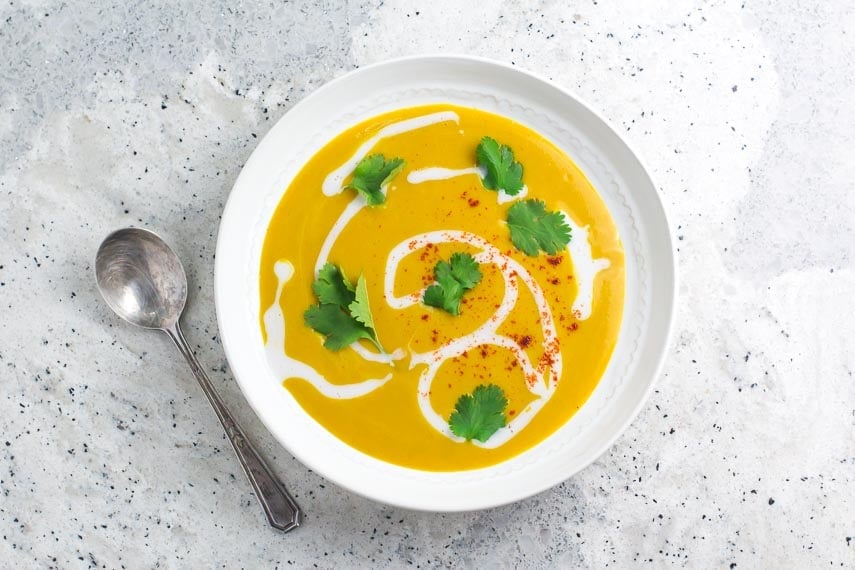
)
(608, 162)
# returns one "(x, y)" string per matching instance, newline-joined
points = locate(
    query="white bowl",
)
(613, 168)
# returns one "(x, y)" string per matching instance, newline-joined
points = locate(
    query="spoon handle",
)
(281, 510)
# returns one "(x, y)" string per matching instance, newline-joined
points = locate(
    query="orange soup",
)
(441, 288)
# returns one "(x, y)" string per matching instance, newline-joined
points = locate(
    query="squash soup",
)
(441, 288)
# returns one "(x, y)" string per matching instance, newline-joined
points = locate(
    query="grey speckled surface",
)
(120, 114)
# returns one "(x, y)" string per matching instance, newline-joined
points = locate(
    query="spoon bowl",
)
(141, 278)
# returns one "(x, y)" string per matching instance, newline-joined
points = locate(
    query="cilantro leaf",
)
(372, 174)
(503, 172)
(446, 297)
(453, 278)
(342, 314)
(465, 270)
(480, 414)
(339, 328)
(359, 308)
(332, 286)
(533, 228)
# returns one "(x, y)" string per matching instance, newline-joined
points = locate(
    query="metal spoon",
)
(143, 281)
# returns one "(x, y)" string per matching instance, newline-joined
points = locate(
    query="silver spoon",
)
(143, 281)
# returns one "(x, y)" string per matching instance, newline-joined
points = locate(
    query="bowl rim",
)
(671, 293)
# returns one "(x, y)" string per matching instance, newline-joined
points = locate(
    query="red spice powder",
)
(551, 351)
(547, 360)
(531, 379)
(427, 251)
(554, 261)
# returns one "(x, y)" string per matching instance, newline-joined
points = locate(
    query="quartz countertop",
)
(118, 113)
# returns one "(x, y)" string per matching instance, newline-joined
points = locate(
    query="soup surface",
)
(530, 339)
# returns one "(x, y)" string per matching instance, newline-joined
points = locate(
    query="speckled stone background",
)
(114, 114)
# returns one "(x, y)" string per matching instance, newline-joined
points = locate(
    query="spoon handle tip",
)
(281, 510)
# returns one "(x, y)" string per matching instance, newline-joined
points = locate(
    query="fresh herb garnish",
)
(372, 174)
(533, 228)
(453, 278)
(480, 414)
(342, 314)
(503, 173)
(359, 308)
(332, 287)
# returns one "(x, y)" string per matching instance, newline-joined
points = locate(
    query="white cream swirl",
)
(333, 183)
(541, 380)
(437, 173)
(286, 367)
